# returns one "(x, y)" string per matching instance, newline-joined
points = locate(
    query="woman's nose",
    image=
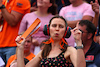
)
(57, 28)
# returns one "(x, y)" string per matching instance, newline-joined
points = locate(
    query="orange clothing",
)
(95, 37)
(13, 57)
(8, 34)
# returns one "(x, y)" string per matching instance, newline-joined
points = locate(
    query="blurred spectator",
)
(98, 28)
(12, 12)
(97, 61)
(96, 19)
(88, 1)
(33, 5)
(90, 48)
(46, 10)
(62, 3)
(98, 32)
(76, 11)
(94, 50)
(14, 63)
(95, 8)
(27, 54)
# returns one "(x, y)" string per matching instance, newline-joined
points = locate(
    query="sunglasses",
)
(83, 31)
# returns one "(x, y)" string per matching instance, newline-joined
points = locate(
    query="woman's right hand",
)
(20, 51)
(18, 39)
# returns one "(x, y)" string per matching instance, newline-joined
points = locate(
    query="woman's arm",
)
(20, 55)
(35, 62)
(20, 52)
(72, 54)
(80, 54)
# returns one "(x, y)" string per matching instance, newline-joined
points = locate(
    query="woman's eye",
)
(61, 26)
(54, 25)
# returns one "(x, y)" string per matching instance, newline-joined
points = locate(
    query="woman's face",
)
(57, 28)
(44, 3)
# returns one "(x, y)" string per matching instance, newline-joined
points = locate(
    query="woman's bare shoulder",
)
(70, 50)
(39, 54)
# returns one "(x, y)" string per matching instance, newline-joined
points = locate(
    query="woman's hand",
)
(18, 40)
(80, 53)
(76, 33)
(20, 51)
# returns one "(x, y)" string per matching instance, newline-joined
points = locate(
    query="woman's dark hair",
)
(53, 8)
(57, 16)
(47, 47)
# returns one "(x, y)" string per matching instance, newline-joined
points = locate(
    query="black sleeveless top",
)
(58, 61)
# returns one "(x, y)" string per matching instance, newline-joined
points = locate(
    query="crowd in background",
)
(16, 16)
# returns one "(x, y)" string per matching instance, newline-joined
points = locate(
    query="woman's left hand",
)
(76, 33)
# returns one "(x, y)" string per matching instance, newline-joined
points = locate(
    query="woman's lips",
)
(56, 34)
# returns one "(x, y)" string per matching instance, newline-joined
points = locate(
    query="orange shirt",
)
(8, 34)
(13, 57)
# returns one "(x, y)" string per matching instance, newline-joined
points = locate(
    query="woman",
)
(45, 11)
(56, 51)
(96, 19)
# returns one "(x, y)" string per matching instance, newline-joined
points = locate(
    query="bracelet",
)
(79, 47)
